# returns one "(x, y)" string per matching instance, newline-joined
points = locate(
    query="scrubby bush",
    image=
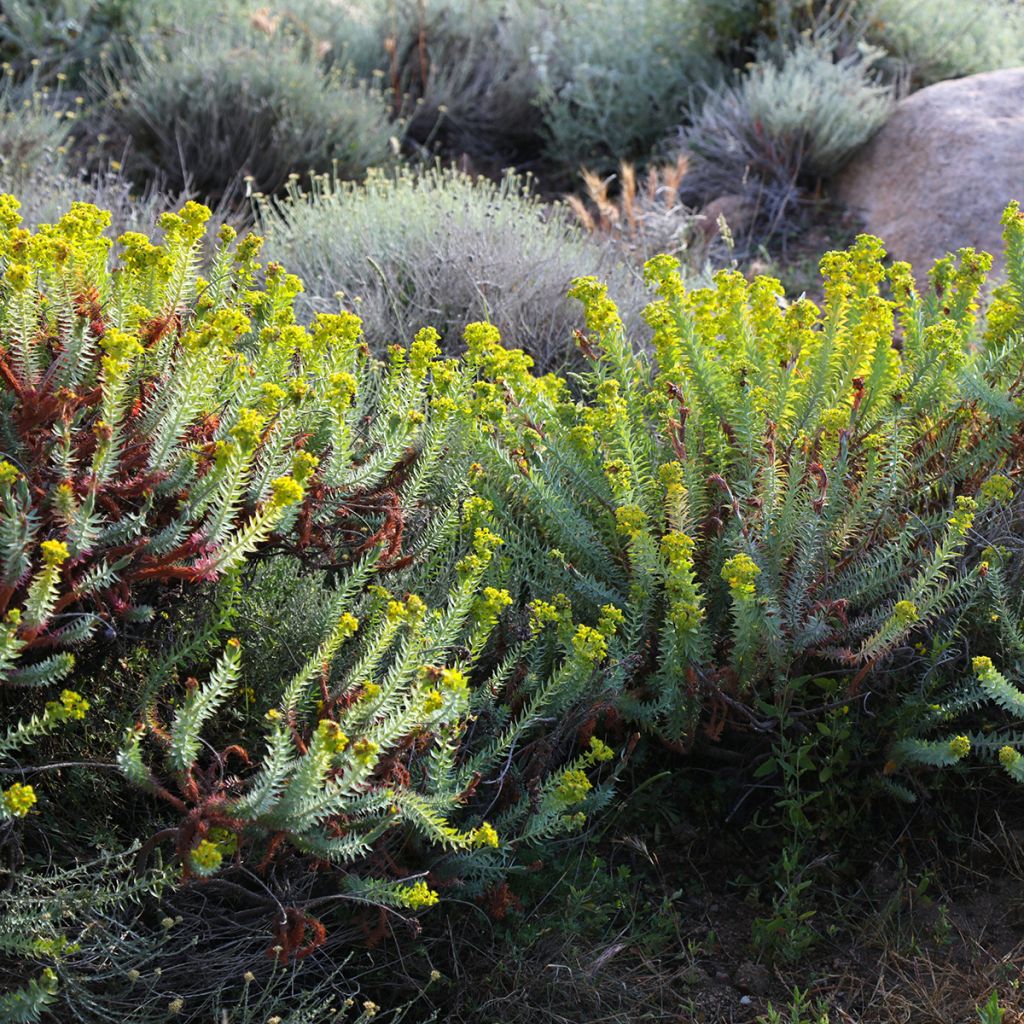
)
(613, 93)
(938, 39)
(439, 249)
(69, 37)
(465, 72)
(215, 108)
(782, 123)
(35, 127)
(342, 35)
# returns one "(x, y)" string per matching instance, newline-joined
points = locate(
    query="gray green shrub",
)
(34, 126)
(616, 77)
(212, 110)
(439, 249)
(783, 122)
(939, 39)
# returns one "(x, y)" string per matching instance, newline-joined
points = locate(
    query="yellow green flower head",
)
(226, 234)
(453, 680)
(901, 276)
(485, 835)
(138, 253)
(271, 396)
(542, 613)
(835, 419)
(677, 550)
(480, 338)
(582, 437)
(662, 273)
(304, 465)
(343, 329)
(740, 572)
(959, 746)
(364, 750)
(423, 349)
(18, 276)
(905, 613)
(630, 520)
(188, 225)
(371, 691)
(206, 857)
(671, 475)
(248, 249)
(18, 799)
(1008, 757)
(331, 736)
(573, 787)
(475, 510)
(54, 552)
(619, 477)
(418, 896)
(9, 216)
(590, 645)
(298, 388)
(432, 701)
(601, 313)
(8, 474)
(71, 706)
(347, 625)
(248, 430)
(982, 666)
(997, 489)
(285, 491)
(962, 518)
(395, 611)
(492, 602)
(610, 620)
(343, 388)
(120, 345)
(599, 750)
(485, 542)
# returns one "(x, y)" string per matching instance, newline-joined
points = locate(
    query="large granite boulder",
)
(940, 172)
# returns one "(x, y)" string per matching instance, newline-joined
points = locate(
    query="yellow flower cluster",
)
(18, 799)
(206, 857)
(285, 491)
(484, 835)
(959, 746)
(996, 490)
(331, 737)
(573, 786)
(71, 707)
(740, 572)
(1010, 758)
(590, 645)
(54, 553)
(905, 613)
(364, 750)
(601, 314)
(9, 475)
(418, 896)
(962, 518)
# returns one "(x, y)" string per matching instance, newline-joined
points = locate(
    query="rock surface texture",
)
(940, 172)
